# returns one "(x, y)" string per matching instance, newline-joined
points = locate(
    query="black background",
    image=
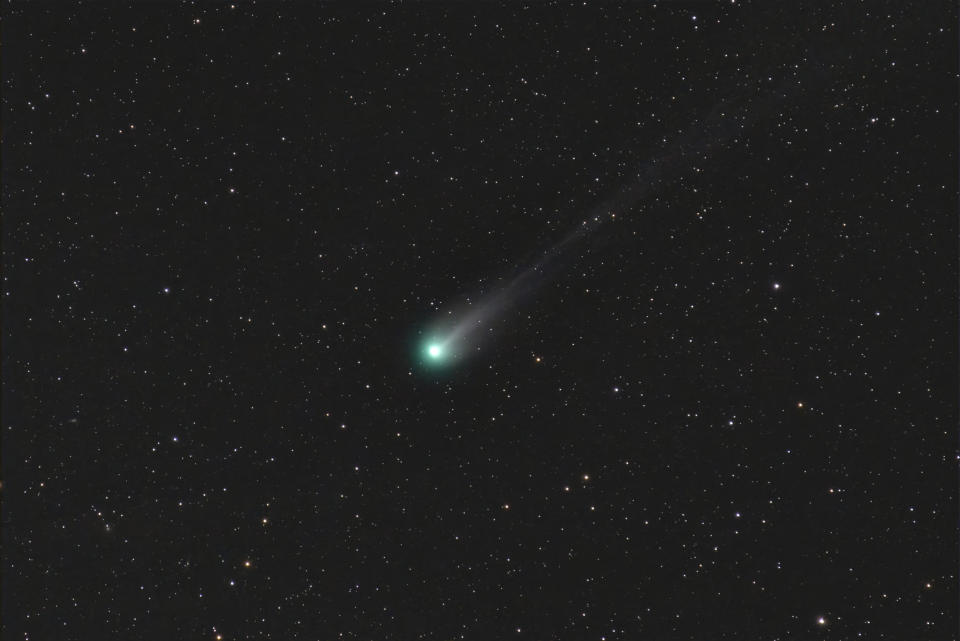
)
(730, 415)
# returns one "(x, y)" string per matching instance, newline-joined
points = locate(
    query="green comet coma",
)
(435, 353)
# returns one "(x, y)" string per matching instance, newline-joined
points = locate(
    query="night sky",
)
(702, 259)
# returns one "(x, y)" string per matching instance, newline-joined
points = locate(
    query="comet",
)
(461, 331)
(453, 338)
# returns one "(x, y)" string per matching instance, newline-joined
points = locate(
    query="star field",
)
(719, 401)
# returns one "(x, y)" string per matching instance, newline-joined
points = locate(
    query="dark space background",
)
(730, 415)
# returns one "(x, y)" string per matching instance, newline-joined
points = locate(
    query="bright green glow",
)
(435, 351)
